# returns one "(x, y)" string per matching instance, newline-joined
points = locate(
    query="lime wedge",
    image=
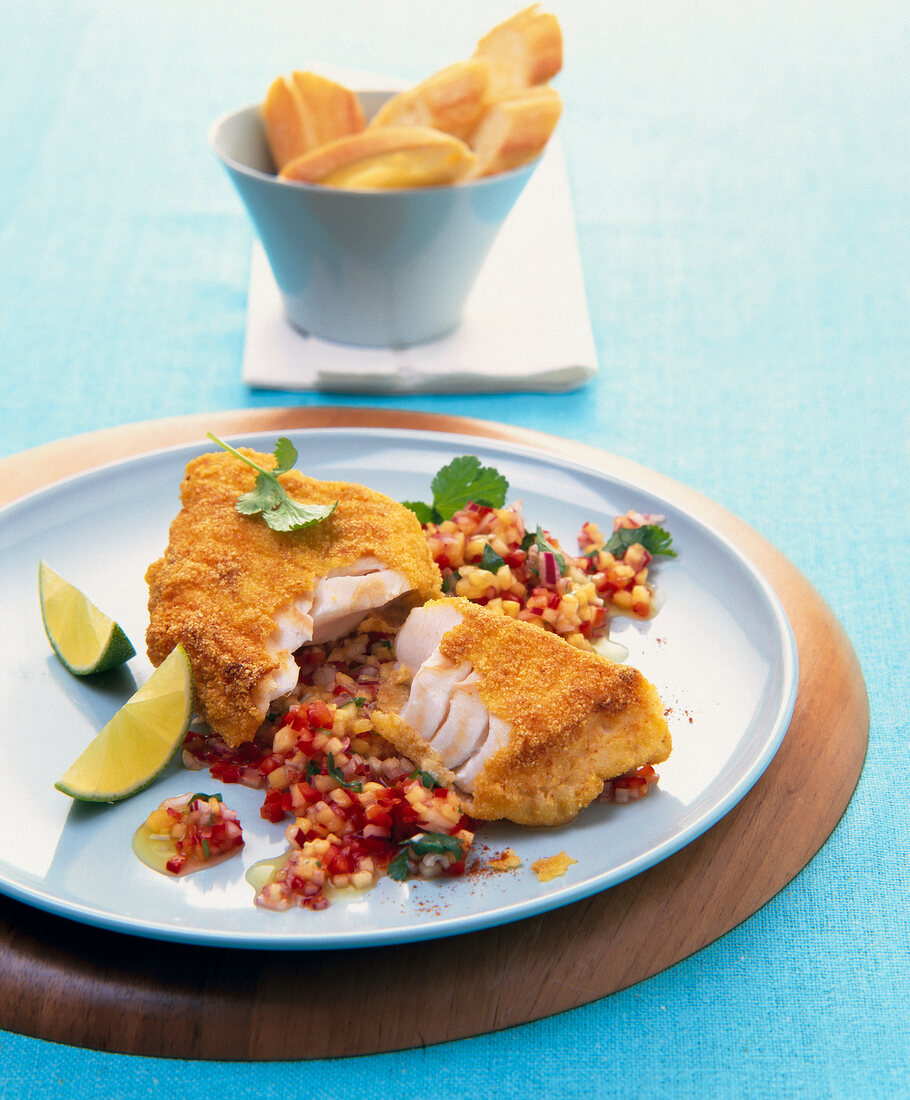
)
(83, 638)
(139, 741)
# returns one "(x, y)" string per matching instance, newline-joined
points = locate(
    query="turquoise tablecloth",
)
(740, 176)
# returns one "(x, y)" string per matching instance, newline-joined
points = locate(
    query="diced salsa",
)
(356, 805)
(487, 555)
(188, 833)
(354, 809)
(344, 838)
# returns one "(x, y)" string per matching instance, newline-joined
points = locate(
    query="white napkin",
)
(526, 324)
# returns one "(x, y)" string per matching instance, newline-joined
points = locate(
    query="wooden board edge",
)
(647, 894)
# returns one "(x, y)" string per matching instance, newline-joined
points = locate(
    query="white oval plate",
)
(720, 651)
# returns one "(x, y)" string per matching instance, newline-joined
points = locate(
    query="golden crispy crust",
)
(224, 575)
(552, 867)
(577, 718)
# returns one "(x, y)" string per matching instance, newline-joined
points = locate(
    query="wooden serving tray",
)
(89, 987)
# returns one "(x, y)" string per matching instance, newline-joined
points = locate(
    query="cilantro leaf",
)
(423, 511)
(461, 481)
(398, 868)
(425, 778)
(335, 772)
(544, 546)
(654, 539)
(285, 455)
(268, 496)
(490, 561)
(264, 498)
(423, 844)
(288, 515)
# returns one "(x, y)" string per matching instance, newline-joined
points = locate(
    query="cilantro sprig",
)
(332, 769)
(463, 480)
(335, 772)
(268, 496)
(425, 778)
(491, 561)
(545, 546)
(422, 845)
(654, 539)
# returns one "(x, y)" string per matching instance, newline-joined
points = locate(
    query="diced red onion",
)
(549, 567)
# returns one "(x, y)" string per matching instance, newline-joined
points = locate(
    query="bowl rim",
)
(317, 188)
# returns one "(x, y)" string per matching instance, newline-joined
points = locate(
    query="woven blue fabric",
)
(739, 174)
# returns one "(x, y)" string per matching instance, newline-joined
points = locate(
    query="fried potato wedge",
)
(515, 129)
(473, 118)
(385, 158)
(304, 111)
(451, 100)
(523, 51)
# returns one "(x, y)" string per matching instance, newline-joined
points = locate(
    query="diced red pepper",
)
(269, 763)
(319, 715)
(272, 808)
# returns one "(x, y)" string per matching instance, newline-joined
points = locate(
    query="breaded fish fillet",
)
(522, 724)
(241, 598)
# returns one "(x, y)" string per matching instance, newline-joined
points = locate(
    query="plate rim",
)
(439, 928)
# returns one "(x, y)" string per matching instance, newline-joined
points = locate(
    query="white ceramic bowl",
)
(374, 268)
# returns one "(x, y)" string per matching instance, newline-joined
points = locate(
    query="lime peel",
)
(140, 740)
